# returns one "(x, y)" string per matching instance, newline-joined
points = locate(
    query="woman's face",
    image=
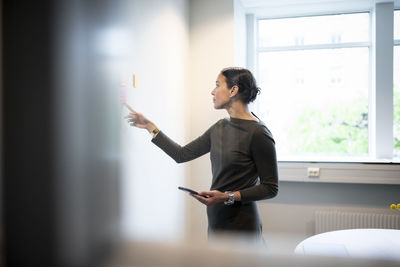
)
(221, 93)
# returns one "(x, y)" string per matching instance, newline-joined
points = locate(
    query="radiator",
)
(326, 221)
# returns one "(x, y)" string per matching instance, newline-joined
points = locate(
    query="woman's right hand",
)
(138, 120)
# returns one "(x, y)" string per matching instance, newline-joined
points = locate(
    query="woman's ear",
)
(234, 90)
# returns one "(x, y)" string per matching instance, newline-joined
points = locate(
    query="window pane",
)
(314, 30)
(396, 100)
(397, 25)
(315, 102)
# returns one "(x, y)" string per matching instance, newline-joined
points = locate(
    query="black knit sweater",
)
(242, 154)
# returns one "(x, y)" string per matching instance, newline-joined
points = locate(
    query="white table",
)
(354, 243)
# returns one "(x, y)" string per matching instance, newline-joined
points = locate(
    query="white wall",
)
(240, 46)
(152, 207)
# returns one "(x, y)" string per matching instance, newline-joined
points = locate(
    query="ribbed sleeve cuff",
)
(157, 140)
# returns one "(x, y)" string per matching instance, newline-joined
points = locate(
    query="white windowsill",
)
(339, 172)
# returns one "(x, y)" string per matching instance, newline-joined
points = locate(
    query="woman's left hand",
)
(213, 197)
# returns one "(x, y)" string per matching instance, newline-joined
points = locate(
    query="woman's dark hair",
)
(243, 78)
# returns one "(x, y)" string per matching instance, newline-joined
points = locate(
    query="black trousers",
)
(239, 218)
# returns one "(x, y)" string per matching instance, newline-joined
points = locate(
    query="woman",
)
(242, 153)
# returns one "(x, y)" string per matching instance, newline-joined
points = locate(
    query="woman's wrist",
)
(152, 129)
(236, 196)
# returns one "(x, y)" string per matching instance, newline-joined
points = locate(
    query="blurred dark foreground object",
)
(60, 133)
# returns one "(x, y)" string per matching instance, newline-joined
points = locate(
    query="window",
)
(314, 73)
(330, 87)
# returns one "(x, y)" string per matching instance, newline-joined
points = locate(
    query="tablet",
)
(190, 191)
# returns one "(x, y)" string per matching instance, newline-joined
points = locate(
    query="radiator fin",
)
(326, 221)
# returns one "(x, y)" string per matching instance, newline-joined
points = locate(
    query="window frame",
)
(377, 171)
(396, 42)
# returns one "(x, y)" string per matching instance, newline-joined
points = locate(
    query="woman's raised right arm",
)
(192, 150)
